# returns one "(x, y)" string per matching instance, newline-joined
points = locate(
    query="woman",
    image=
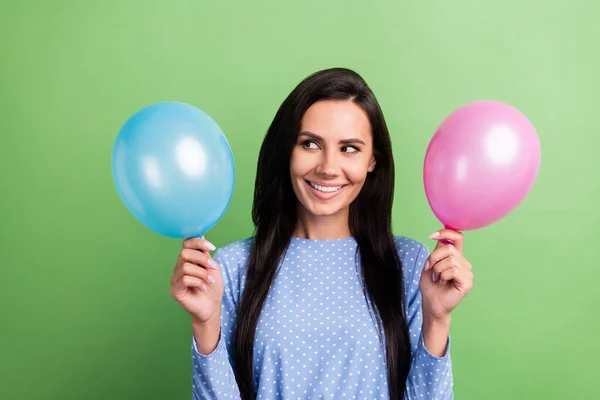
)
(323, 301)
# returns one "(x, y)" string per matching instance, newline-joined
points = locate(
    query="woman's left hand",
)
(447, 276)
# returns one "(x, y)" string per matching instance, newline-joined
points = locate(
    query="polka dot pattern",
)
(318, 335)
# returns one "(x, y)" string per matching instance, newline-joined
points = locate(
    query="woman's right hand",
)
(197, 283)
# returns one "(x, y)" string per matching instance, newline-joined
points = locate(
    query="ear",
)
(371, 165)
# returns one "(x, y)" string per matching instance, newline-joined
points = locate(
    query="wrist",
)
(435, 332)
(206, 333)
(437, 321)
(202, 324)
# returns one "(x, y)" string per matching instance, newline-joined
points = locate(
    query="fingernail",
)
(433, 276)
(212, 264)
(426, 265)
(203, 287)
(211, 279)
(209, 246)
(434, 235)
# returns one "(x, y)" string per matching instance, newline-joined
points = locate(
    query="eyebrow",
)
(343, 141)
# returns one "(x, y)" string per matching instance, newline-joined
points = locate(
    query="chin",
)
(324, 210)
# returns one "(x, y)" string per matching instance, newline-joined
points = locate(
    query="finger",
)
(446, 264)
(198, 244)
(468, 266)
(201, 258)
(187, 281)
(439, 254)
(456, 237)
(192, 256)
(463, 280)
(449, 274)
(189, 269)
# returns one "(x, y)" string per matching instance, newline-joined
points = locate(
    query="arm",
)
(430, 375)
(207, 334)
(212, 375)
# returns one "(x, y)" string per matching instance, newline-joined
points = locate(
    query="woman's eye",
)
(349, 149)
(309, 144)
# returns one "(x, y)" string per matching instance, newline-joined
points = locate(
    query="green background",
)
(85, 306)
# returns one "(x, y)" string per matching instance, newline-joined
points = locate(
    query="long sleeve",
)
(212, 374)
(430, 377)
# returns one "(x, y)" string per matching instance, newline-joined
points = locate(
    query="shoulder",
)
(408, 247)
(412, 253)
(232, 259)
(235, 251)
(233, 256)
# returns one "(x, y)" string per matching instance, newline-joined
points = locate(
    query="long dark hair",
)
(274, 216)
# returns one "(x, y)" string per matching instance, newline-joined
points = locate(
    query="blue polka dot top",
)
(318, 335)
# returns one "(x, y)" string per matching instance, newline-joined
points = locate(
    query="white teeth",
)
(325, 189)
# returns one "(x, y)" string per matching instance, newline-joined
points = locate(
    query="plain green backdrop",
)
(85, 306)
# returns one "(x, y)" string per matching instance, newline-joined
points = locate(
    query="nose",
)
(328, 165)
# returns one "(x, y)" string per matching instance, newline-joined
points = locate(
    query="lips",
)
(325, 191)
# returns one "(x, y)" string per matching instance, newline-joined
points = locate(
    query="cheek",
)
(356, 172)
(297, 165)
(294, 163)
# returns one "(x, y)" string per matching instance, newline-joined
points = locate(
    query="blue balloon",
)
(173, 169)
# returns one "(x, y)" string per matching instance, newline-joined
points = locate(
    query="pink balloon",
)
(481, 163)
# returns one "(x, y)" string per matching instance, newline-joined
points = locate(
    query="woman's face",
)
(332, 156)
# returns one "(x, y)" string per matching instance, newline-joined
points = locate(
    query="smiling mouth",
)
(325, 189)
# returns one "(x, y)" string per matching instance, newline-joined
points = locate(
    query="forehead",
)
(336, 119)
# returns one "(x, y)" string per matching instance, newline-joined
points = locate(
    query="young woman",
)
(323, 301)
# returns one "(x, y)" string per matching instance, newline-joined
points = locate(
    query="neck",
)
(319, 227)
